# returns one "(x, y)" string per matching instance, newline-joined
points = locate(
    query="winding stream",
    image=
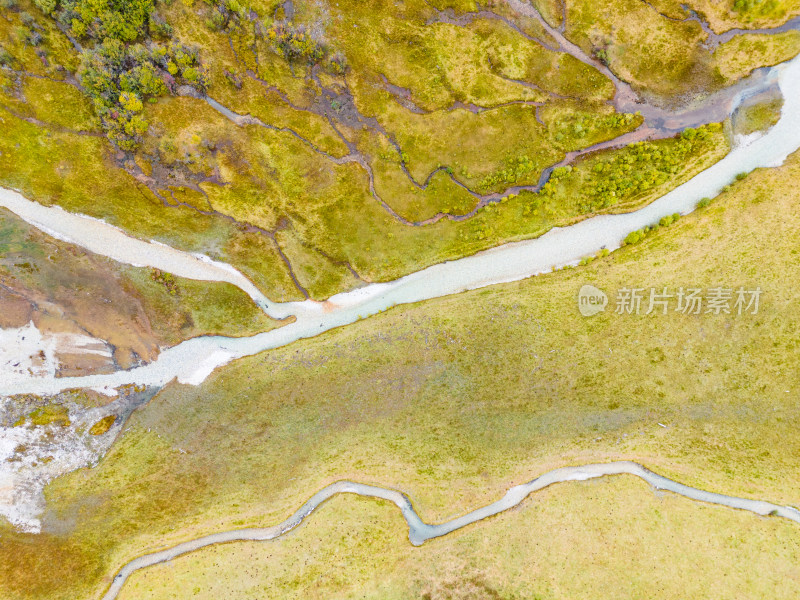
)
(419, 531)
(193, 360)
(714, 107)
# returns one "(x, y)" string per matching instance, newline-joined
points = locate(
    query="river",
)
(193, 360)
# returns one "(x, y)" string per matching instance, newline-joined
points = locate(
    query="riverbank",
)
(555, 249)
(454, 406)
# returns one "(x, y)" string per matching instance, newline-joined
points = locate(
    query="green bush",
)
(225, 14)
(703, 202)
(669, 219)
(757, 7)
(634, 237)
(119, 79)
(46, 6)
(295, 44)
(5, 57)
(337, 65)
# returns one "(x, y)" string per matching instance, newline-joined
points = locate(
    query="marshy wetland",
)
(254, 250)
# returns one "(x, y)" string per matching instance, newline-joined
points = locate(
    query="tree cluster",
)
(516, 168)
(124, 20)
(120, 78)
(634, 170)
(296, 44)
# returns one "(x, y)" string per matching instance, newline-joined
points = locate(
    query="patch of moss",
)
(757, 117)
(103, 425)
(52, 414)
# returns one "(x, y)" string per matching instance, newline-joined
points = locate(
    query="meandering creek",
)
(419, 531)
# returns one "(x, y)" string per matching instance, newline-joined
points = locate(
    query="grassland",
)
(734, 14)
(483, 97)
(620, 539)
(736, 56)
(655, 47)
(337, 218)
(453, 401)
(757, 116)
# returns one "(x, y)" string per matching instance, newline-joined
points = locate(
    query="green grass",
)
(272, 180)
(52, 414)
(757, 117)
(454, 400)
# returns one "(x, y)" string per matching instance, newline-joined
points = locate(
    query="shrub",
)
(46, 6)
(337, 64)
(634, 237)
(130, 101)
(703, 202)
(159, 28)
(119, 79)
(295, 44)
(669, 219)
(232, 78)
(191, 74)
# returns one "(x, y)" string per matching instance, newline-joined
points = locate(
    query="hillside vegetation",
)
(350, 142)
